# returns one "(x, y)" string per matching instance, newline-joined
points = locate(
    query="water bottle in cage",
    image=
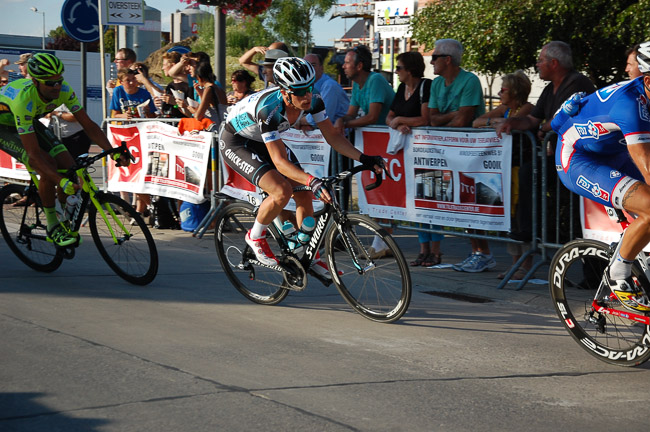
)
(307, 227)
(70, 205)
(289, 231)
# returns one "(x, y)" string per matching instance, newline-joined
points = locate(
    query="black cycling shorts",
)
(11, 143)
(249, 158)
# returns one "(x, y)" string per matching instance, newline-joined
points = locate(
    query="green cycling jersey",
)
(21, 105)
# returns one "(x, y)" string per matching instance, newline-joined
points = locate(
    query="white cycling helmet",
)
(293, 73)
(643, 57)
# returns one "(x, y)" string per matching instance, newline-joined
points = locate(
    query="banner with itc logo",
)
(166, 163)
(449, 178)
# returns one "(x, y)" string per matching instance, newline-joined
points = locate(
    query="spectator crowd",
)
(453, 98)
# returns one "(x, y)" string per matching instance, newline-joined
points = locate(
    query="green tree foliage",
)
(500, 36)
(291, 20)
(60, 40)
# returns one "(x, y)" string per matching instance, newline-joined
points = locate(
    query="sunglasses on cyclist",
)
(52, 83)
(302, 91)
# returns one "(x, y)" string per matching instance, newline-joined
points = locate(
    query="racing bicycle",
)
(589, 311)
(379, 290)
(119, 232)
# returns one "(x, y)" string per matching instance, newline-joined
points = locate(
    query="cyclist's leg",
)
(615, 181)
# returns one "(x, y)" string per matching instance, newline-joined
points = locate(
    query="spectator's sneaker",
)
(60, 237)
(261, 250)
(479, 262)
(459, 266)
(321, 268)
(628, 293)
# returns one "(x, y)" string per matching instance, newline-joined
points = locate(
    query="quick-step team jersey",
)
(262, 115)
(609, 120)
(21, 99)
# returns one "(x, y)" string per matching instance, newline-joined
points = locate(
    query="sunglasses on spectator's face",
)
(435, 57)
(399, 68)
(4, 81)
(302, 91)
(52, 83)
(119, 60)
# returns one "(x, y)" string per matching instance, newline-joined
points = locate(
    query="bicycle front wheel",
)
(380, 291)
(123, 240)
(575, 276)
(258, 284)
(24, 228)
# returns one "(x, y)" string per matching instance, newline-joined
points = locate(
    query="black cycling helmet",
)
(44, 65)
(293, 73)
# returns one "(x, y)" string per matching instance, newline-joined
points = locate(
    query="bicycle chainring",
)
(294, 274)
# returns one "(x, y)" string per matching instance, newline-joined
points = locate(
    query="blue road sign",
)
(80, 19)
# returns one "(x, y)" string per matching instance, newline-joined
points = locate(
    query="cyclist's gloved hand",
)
(68, 186)
(371, 161)
(121, 159)
(318, 188)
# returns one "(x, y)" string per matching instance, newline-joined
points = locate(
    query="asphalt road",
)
(81, 350)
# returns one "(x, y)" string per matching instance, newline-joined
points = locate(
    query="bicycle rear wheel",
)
(574, 278)
(382, 292)
(124, 240)
(258, 284)
(24, 228)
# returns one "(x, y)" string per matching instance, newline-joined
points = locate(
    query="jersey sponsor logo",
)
(31, 128)
(643, 108)
(271, 136)
(244, 166)
(21, 130)
(30, 106)
(614, 174)
(593, 188)
(10, 92)
(75, 108)
(607, 92)
(242, 121)
(590, 130)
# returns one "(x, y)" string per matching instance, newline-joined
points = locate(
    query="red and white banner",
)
(311, 150)
(12, 169)
(459, 179)
(166, 163)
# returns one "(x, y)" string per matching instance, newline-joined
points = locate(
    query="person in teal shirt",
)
(372, 95)
(456, 95)
(456, 100)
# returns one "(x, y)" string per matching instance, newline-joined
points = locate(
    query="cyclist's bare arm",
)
(640, 154)
(96, 135)
(340, 143)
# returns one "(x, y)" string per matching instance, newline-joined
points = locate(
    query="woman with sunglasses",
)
(22, 103)
(250, 143)
(241, 82)
(515, 88)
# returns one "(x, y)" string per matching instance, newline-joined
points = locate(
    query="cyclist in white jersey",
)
(250, 143)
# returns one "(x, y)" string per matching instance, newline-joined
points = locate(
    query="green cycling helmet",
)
(44, 65)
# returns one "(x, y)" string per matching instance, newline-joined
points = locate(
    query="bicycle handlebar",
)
(357, 169)
(86, 161)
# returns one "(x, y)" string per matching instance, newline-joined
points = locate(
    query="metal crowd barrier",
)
(553, 215)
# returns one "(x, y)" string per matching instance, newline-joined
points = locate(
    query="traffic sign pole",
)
(102, 61)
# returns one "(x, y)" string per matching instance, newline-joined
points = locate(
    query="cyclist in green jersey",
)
(24, 137)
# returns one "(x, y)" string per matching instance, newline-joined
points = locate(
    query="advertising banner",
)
(166, 163)
(458, 179)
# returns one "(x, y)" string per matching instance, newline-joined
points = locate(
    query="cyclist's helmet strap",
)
(293, 73)
(643, 57)
(44, 65)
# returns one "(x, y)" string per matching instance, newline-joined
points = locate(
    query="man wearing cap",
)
(22, 64)
(264, 70)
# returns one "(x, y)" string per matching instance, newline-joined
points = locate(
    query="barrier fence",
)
(544, 213)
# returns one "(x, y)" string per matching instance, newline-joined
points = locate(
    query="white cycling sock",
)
(620, 268)
(378, 244)
(257, 232)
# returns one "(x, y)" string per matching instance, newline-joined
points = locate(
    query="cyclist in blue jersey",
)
(23, 136)
(250, 143)
(604, 155)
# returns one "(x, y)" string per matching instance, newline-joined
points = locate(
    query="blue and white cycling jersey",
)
(262, 116)
(592, 158)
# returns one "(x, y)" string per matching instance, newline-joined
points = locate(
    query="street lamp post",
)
(34, 9)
